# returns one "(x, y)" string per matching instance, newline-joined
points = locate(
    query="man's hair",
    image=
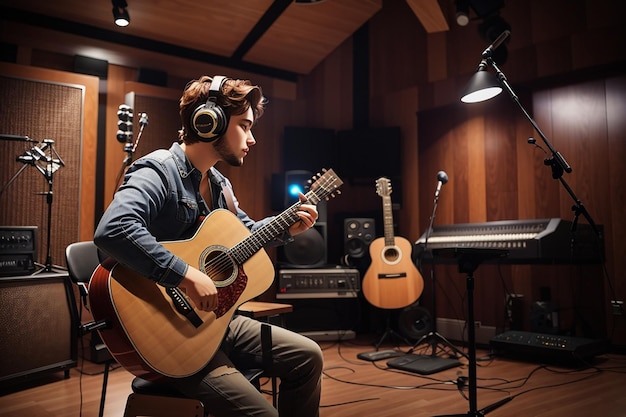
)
(235, 98)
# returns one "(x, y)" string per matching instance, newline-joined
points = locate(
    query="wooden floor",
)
(354, 387)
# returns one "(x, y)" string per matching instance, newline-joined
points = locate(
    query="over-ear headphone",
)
(209, 121)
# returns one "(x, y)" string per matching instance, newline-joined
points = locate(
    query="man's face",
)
(235, 144)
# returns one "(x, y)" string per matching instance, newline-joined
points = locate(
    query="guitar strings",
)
(243, 250)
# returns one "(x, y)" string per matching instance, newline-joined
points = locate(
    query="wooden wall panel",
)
(616, 180)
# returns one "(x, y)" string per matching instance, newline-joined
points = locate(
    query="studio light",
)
(120, 14)
(482, 86)
(462, 12)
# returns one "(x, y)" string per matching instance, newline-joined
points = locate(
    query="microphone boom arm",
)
(557, 162)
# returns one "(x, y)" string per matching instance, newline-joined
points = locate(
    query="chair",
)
(148, 398)
(82, 259)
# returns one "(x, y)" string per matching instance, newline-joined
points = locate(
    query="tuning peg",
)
(333, 194)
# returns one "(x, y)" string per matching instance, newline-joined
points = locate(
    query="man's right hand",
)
(200, 289)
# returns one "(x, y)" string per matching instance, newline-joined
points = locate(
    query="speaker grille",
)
(39, 321)
(308, 249)
(414, 322)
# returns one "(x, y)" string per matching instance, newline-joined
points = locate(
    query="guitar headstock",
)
(383, 187)
(324, 187)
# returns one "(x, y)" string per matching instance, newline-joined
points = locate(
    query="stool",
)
(160, 399)
(263, 311)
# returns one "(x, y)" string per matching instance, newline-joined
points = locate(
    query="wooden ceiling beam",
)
(430, 15)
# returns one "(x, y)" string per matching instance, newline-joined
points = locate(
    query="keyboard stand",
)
(468, 260)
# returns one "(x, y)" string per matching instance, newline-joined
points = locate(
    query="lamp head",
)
(482, 86)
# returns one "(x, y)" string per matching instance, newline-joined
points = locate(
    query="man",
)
(161, 199)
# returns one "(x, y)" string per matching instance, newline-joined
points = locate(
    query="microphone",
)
(143, 119)
(487, 52)
(33, 155)
(442, 178)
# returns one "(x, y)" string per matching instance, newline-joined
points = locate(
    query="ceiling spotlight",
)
(120, 14)
(462, 12)
(482, 86)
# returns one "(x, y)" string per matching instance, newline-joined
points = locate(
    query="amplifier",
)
(318, 283)
(17, 250)
(548, 347)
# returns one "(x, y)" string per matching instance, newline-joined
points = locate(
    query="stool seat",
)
(163, 389)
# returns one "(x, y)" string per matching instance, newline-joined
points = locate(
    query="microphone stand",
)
(130, 149)
(433, 338)
(556, 161)
(52, 163)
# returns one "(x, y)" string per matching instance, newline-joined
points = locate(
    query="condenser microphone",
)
(442, 178)
(143, 119)
(487, 52)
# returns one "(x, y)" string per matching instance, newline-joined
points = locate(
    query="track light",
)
(462, 12)
(482, 86)
(120, 14)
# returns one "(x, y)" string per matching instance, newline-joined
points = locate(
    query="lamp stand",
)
(556, 161)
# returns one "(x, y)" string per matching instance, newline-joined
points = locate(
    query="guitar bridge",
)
(391, 276)
(181, 304)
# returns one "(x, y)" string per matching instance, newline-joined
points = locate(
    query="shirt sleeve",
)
(123, 231)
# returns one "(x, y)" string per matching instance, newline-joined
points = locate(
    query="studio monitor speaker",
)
(308, 249)
(414, 322)
(358, 234)
(40, 326)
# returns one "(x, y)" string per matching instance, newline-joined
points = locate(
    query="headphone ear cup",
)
(209, 121)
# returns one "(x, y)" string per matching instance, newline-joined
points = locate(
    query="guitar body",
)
(392, 280)
(155, 332)
(148, 336)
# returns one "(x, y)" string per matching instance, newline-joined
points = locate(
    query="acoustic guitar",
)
(156, 331)
(392, 280)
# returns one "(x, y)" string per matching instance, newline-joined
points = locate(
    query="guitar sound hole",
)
(219, 266)
(392, 254)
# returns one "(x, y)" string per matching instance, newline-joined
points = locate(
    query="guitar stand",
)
(468, 261)
(389, 331)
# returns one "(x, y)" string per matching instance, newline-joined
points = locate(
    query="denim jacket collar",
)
(184, 166)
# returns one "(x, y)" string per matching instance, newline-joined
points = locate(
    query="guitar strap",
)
(205, 191)
(230, 200)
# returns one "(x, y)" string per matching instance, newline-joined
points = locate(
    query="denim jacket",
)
(158, 201)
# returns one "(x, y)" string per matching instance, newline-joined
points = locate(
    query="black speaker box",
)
(40, 327)
(91, 66)
(308, 249)
(151, 76)
(414, 322)
(309, 148)
(323, 314)
(358, 234)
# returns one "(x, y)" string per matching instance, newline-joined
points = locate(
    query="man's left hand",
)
(308, 216)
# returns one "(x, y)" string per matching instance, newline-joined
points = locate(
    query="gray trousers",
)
(224, 391)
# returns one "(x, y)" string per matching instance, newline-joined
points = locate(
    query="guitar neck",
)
(388, 221)
(325, 186)
(253, 243)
